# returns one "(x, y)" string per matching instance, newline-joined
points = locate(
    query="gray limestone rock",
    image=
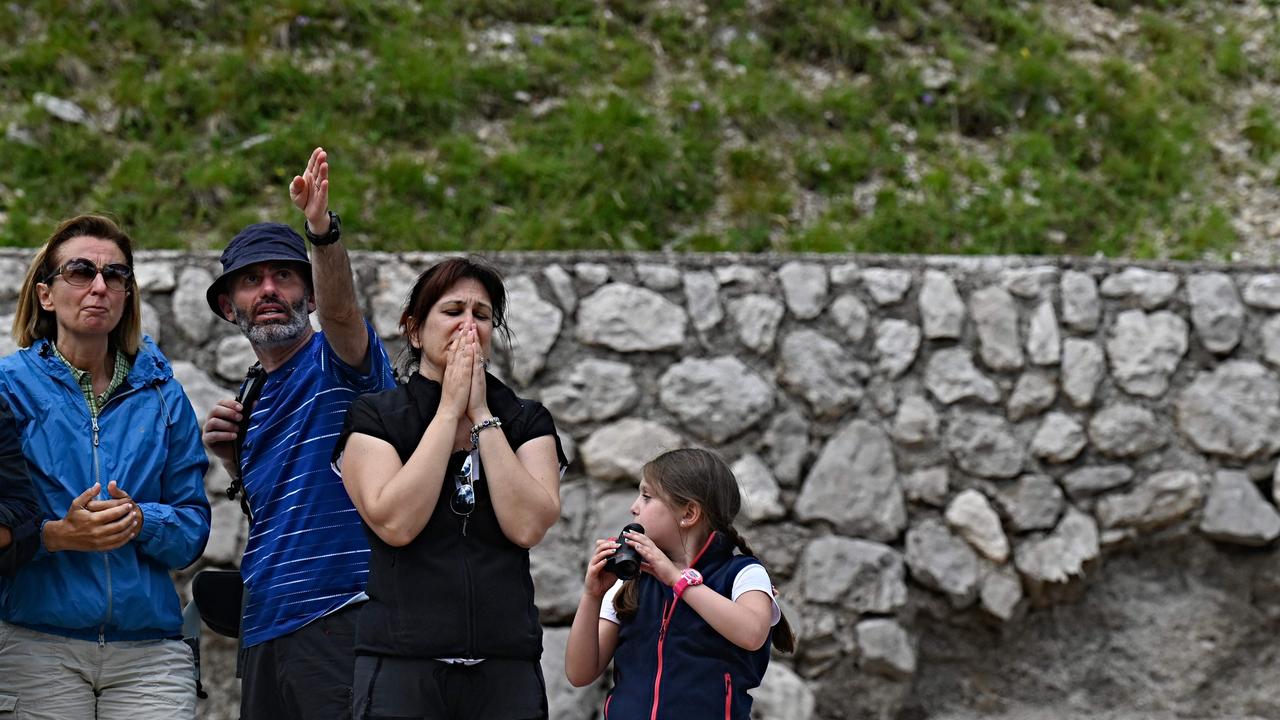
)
(852, 316)
(757, 318)
(1236, 512)
(594, 389)
(1144, 350)
(1034, 393)
(627, 318)
(896, 344)
(863, 576)
(394, 281)
(202, 392)
(886, 286)
(985, 445)
(1059, 439)
(1094, 479)
(951, 376)
(227, 531)
(1151, 288)
(741, 275)
(1034, 502)
(659, 277)
(1270, 334)
(1263, 292)
(782, 695)
(1124, 430)
(804, 285)
(618, 451)
(1083, 367)
(916, 422)
(591, 275)
(565, 702)
(1059, 558)
(1044, 346)
(942, 310)
(702, 298)
(819, 370)
(927, 485)
(1217, 313)
(535, 326)
(886, 649)
(761, 497)
(13, 273)
(1081, 307)
(1000, 592)
(787, 443)
(996, 318)
(1233, 411)
(561, 283)
(234, 357)
(1030, 283)
(7, 344)
(153, 276)
(190, 309)
(557, 564)
(973, 518)
(152, 324)
(1160, 500)
(941, 561)
(845, 273)
(715, 398)
(854, 485)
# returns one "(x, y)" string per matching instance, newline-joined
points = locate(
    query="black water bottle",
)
(625, 561)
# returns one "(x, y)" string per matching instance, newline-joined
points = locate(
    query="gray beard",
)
(271, 334)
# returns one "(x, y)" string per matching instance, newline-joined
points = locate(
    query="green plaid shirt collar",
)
(86, 382)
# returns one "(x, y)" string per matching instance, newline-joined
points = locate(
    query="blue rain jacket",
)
(147, 439)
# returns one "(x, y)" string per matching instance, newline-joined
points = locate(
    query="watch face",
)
(693, 577)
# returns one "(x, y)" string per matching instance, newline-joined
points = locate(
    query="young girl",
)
(689, 634)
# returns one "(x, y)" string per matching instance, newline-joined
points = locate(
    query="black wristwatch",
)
(329, 238)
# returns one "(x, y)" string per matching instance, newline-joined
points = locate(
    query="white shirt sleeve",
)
(755, 577)
(606, 605)
(751, 577)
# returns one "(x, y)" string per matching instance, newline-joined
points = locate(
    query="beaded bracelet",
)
(484, 425)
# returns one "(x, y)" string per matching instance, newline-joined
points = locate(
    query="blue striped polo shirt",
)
(307, 554)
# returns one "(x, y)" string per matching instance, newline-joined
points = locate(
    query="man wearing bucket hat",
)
(306, 560)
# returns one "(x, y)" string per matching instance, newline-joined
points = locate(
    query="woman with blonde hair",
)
(90, 627)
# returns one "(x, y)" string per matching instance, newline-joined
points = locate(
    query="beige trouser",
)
(50, 677)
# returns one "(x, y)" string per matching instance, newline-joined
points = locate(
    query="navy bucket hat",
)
(260, 242)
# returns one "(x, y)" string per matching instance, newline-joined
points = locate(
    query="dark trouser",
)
(305, 675)
(390, 688)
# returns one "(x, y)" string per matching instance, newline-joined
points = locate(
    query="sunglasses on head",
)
(79, 272)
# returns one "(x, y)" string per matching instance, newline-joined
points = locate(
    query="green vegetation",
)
(961, 126)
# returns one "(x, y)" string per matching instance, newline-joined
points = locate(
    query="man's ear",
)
(228, 310)
(311, 303)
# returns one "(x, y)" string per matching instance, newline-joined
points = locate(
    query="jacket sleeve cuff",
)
(154, 517)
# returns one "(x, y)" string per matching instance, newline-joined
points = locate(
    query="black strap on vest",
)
(250, 391)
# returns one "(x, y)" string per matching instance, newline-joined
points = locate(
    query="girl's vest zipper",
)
(728, 696)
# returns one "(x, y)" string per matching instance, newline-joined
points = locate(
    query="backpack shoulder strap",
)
(250, 391)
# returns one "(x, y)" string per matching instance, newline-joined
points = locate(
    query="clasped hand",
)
(95, 525)
(463, 392)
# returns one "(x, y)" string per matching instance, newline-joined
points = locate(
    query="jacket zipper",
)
(728, 696)
(106, 556)
(471, 612)
(606, 706)
(669, 609)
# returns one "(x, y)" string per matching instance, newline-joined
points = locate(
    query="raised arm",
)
(335, 292)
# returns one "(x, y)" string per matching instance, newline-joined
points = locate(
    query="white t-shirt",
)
(751, 577)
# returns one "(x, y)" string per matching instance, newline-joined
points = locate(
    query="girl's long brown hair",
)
(700, 476)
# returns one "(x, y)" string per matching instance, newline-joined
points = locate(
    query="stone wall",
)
(959, 471)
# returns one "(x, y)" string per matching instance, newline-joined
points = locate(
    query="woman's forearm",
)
(397, 500)
(525, 487)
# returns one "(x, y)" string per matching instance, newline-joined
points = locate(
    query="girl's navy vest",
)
(671, 663)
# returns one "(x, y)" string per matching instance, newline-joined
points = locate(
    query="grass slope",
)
(953, 126)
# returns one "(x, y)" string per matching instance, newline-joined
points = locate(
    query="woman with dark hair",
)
(455, 478)
(91, 626)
